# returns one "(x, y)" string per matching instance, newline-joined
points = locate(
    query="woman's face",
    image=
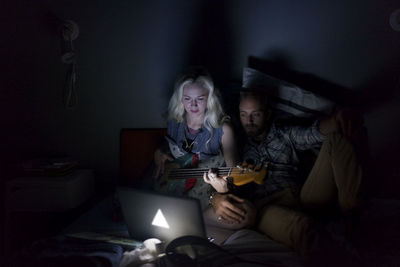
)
(194, 99)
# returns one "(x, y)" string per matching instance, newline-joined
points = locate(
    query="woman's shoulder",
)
(173, 127)
(173, 123)
(224, 127)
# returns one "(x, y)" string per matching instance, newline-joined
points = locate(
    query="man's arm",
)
(345, 121)
(303, 137)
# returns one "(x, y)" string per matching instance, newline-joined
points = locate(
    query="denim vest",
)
(205, 150)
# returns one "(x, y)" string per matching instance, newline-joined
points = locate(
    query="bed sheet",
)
(376, 240)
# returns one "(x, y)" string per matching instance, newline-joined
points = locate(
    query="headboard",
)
(137, 147)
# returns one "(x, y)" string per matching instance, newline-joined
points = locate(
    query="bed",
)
(376, 243)
(377, 239)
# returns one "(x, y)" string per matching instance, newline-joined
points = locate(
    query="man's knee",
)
(341, 147)
(337, 139)
(337, 142)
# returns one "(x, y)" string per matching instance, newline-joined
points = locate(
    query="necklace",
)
(188, 144)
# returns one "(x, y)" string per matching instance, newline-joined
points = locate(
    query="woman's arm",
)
(231, 159)
(160, 157)
(229, 210)
(229, 146)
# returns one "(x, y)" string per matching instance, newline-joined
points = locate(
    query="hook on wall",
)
(69, 32)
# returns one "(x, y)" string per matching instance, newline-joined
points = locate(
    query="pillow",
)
(287, 100)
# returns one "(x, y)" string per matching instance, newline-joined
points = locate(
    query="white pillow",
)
(287, 99)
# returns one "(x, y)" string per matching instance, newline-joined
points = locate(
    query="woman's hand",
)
(219, 183)
(159, 159)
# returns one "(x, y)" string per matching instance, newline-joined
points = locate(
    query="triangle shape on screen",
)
(159, 220)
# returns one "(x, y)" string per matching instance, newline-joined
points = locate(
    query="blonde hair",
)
(214, 115)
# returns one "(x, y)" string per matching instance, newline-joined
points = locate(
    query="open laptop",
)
(153, 215)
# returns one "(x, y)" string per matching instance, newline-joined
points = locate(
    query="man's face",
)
(253, 117)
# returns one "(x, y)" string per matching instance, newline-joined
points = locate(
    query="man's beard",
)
(253, 130)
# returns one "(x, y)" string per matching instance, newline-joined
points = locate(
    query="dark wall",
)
(129, 53)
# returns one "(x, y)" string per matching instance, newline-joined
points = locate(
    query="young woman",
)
(197, 127)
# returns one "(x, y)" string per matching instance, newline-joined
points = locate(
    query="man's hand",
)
(159, 159)
(220, 184)
(346, 121)
(349, 122)
(226, 208)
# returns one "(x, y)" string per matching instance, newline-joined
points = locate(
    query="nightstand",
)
(38, 207)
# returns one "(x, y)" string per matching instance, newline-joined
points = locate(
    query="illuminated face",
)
(194, 99)
(253, 117)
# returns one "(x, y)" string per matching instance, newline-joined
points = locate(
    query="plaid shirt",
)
(277, 151)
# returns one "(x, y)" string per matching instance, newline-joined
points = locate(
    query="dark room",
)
(98, 96)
